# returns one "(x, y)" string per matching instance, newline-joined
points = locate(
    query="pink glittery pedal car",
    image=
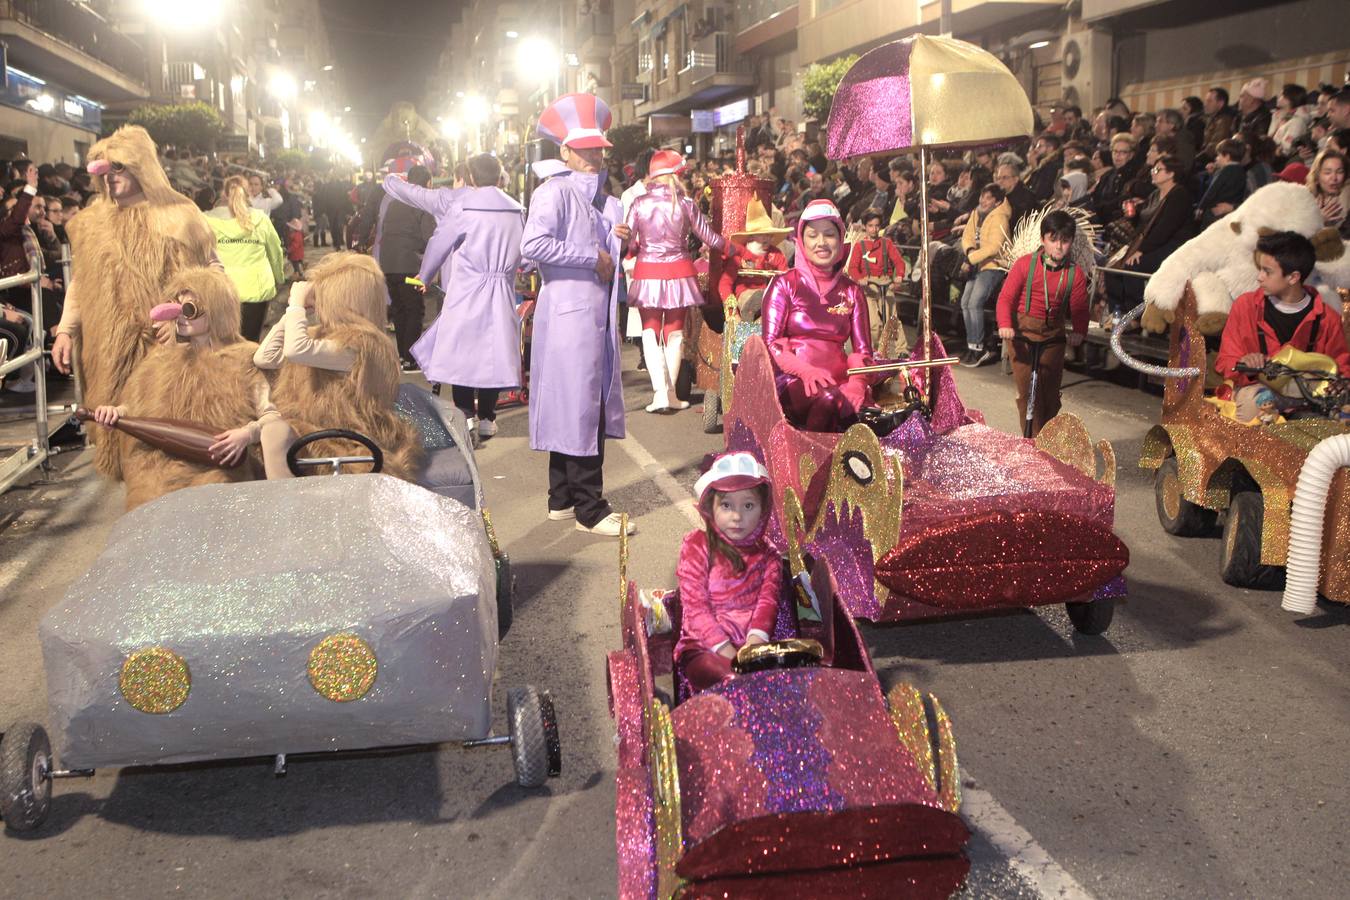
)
(940, 515)
(795, 777)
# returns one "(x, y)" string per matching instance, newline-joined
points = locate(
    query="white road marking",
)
(982, 812)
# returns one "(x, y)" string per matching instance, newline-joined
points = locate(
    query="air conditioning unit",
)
(1085, 60)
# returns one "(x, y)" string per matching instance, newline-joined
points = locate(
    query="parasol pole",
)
(926, 298)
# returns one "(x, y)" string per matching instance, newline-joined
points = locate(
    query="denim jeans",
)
(977, 292)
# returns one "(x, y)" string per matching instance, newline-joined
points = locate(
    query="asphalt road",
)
(1196, 750)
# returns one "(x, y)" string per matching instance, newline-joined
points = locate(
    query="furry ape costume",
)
(122, 257)
(349, 304)
(215, 385)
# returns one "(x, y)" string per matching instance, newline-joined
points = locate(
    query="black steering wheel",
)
(794, 653)
(296, 464)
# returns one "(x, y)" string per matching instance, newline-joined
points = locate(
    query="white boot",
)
(674, 356)
(656, 370)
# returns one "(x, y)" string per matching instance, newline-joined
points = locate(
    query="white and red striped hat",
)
(666, 162)
(821, 209)
(576, 120)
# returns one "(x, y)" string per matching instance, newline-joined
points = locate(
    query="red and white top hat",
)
(666, 162)
(821, 209)
(576, 120)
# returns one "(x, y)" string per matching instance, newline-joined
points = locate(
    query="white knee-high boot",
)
(656, 370)
(674, 357)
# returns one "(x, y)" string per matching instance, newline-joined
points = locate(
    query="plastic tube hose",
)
(1307, 519)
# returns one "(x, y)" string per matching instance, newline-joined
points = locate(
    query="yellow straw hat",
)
(759, 225)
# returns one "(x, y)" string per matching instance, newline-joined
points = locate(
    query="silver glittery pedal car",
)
(280, 618)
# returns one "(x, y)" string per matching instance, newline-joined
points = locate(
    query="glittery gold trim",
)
(911, 724)
(1066, 438)
(155, 680)
(623, 561)
(950, 794)
(1107, 475)
(732, 318)
(342, 667)
(806, 470)
(666, 797)
(880, 500)
(794, 527)
(491, 533)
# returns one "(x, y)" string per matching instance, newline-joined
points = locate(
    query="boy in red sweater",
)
(1281, 311)
(1042, 290)
(875, 263)
(760, 239)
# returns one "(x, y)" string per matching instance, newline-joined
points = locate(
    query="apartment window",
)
(662, 57)
(644, 60)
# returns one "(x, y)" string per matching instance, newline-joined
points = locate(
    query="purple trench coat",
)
(436, 201)
(574, 360)
(475, 341)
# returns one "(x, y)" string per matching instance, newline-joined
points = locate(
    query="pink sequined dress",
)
(663, 274)
(804, 331)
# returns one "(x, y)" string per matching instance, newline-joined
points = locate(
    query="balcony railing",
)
(714, 54)
(752, 12)
(596, 24)
(79, 26)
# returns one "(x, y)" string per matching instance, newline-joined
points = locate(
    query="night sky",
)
(385, 50)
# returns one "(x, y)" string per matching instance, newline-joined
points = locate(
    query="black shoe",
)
(410, 367)
(968, 358)
(985, 356)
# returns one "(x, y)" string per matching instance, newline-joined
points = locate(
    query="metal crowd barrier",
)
(36, 454)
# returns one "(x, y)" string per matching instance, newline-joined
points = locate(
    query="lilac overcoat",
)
(475, 341)
(574, 358)
(436, 201)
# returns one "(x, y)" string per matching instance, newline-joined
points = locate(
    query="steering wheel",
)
(296, 464)
(794, 653)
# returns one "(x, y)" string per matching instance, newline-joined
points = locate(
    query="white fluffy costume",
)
(122, 257)
(1218, 261)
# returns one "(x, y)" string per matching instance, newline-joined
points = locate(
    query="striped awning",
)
(1309, 71)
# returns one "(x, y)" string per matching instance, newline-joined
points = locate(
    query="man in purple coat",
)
(474, 344)
(574, 233)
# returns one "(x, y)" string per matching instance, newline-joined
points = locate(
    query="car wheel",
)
(1178, 515)
(712, 413)
(1091, 617)
(535, 750)
(1240, 563)
(506, 593)
(25, 788)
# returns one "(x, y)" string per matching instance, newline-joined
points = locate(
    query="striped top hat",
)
(576, 120)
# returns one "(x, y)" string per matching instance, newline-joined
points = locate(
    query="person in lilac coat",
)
(474, 344)
(809, 313)
(436, 201)
(664, 283)
(575, 232)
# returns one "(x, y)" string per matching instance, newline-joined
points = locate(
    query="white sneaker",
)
(24, 384)
(561, 515)
(607, 527)
(486, 428)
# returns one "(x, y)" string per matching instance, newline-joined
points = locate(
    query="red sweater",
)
(731, 282)
(875, 259)
(1247, 318)
(1014, 293)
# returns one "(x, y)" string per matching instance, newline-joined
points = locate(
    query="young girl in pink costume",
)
(664, 282)
(729, 576)
(809, 312)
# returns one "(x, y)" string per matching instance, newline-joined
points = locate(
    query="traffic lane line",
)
(1024, 855)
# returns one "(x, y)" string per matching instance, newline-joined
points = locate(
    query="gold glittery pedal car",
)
(1208, 464)
(279, 618)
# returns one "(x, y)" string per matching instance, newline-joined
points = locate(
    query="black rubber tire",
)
(506, 595)
(712, 411)
(1176, 514)
(1240, 553)
(25, 796)
(1092, 617)
(534, 736)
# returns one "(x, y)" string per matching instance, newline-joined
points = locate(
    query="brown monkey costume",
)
(215, 385)
(122, 257)
(358, 390)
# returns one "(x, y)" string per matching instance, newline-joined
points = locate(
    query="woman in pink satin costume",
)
(664, 282)
(809, 312)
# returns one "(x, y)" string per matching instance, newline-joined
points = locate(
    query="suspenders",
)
(1031, 277)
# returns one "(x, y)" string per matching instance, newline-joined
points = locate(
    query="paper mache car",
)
(795, 777)
(928, 512)
(278, 618)
(1280, 485)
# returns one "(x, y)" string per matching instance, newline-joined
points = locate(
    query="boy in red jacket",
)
(1283, 311)
(875, 263)
(1042, 291)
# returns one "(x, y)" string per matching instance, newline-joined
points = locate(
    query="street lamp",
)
(537, 61)
(450, 129)
(475, 109)
(283, 86)
(179, 16)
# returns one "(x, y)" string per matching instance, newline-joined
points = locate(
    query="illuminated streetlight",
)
(450, 129)
(346, 109)
(283, 86)
(328, 68)
(476, 110)
(513, 35)
(179, 16)
(537, 61)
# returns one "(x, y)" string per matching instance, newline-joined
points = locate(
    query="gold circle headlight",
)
(155, 680)
(342, 667)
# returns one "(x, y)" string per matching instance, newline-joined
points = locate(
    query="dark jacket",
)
(1229, 185)
(1022, 201)
(1043, 182)
(1166, 224)
(403, 238)
(1219, 127)
(13, 253)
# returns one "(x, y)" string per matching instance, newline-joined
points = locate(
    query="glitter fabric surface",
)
(407, 571)
(928, 91)
(342, 667)
(634, 834)
(449, 469)
(155, 680)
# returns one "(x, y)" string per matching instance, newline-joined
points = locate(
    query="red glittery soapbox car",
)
(937, 514)
(796, 777)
